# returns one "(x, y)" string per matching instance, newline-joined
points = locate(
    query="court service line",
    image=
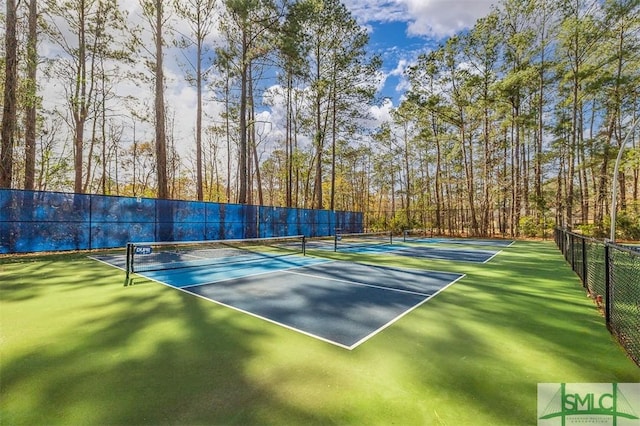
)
(194, 256)
(360, 284)
(255, 274)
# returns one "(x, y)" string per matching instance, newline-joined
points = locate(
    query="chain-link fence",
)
(611, 275)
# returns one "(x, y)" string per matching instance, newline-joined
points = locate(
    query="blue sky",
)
(398, 49)
(402, 29)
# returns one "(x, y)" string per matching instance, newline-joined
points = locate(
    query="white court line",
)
(194, 256)
(235, 308)
(107, 263)
(373, 333)
(360, 284)
(457, 250)
(252, 314)
(239, 264)
(495, 254)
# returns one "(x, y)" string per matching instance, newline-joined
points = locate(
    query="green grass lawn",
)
(78, 347)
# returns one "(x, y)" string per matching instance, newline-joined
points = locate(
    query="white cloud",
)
(377, 10)
(400, 68)
(382, 113)
(403, 85)
(429, 18)
(443, 18)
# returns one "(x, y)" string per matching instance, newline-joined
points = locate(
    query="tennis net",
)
(414, 234)
(364, 239)
(153, 256)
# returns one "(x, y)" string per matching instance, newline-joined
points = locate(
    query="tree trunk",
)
(30, 116)
(78, 104)
(199, 185)
(289, 144)
(334, 136)
(161, 139)
(9, 110)
(253, 144)
(243, 177)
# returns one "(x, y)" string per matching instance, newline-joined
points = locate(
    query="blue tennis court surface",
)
(444, 253)
(342, 303)
(463, 241)
(218, 272)
(436, 252)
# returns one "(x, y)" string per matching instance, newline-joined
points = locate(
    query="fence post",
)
(584, 262)
(607, 287)
(573, 252)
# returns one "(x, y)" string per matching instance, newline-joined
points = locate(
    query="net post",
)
(304, 245)
(128, 260)
(390, 237)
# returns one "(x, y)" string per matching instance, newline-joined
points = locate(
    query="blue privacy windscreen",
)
(34, 221)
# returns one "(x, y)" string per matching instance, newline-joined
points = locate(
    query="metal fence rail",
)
(610, 273)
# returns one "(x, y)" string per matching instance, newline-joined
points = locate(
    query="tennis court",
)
(476, 251)
(444, 253)
(339, 302)
(408, 237)
(435, 253)
(445, 248)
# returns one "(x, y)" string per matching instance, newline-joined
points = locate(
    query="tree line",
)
(520, 119)
(507, 128)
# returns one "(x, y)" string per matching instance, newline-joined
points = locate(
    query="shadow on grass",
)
(79, 348)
